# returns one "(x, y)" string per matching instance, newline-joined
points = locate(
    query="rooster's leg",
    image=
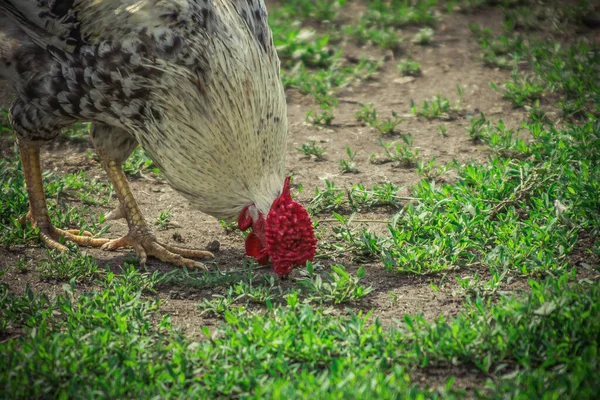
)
(38, 211)
(140, 236)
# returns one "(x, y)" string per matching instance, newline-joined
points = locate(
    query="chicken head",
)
(286, 236)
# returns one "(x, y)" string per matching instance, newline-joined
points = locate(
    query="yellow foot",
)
(49, 235)
(146, 245)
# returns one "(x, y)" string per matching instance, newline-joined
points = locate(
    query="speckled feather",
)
(195, 82)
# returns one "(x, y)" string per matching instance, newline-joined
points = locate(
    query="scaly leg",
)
(38, 211)
(140, 236)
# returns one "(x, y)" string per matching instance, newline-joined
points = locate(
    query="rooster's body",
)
(194, 82)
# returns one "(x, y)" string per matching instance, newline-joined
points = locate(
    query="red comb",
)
(289, 235)
(285, 192)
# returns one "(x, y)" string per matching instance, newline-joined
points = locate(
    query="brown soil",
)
(451, 60)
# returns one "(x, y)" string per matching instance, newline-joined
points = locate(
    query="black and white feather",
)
(195, 82)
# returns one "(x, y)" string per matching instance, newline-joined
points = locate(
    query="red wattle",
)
(255, 248)
(244, 220)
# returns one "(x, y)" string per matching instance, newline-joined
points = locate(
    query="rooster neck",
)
(221, 140)
(266, 194)
(226, 150)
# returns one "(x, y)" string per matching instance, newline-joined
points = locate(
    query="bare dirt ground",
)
(450, 61)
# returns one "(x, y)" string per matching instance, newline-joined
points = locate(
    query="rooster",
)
(195, 82)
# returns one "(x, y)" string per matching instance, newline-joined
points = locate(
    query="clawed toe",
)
(85, 239)
(50, 235)
(77, 232)
(52, 244)
(148, 246)
(185, 252)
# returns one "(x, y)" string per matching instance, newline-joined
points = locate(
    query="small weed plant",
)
(341, 286)
(409, 67)
(349, 166)
(368, 115)
(312, 150)
(424, 36)
(402, 154)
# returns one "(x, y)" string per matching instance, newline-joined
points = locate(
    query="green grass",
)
(320, 10)
(423, 37)
(400, 13)
(65, 267)
(312, 150)
(365, 33)
(326, 116)
(479, 128)
(139, 164)
(501, 214)
(569, 70)
(218, 305)
(340, 287)
(402, 154)
(430, 170)
(368, 115)
(501, 51)
(496, 237)
(78, 133)
(437, 108)
(409, 67)
(309, 62)
(163, 221)
(356, 198)
(123, 347)
(349, 166)
(69, 197)
(520, 90)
